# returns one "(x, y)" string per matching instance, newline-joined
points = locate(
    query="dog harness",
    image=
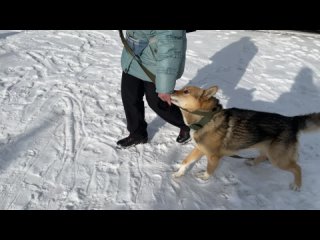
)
(207, 116)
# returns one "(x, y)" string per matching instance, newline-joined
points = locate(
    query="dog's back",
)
(248, 127)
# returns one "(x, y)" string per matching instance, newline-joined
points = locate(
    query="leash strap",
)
(237, 156)
(129, 50)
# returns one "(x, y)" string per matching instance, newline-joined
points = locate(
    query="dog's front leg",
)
(195, 155)
(213, 162)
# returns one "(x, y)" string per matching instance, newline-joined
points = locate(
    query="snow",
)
(61, 114)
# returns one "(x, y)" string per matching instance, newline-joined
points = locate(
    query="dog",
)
(219, 132)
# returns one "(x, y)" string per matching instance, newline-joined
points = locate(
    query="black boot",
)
(132, 141)
(184, 135)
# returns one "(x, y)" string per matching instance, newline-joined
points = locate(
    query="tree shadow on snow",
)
(7, 34)
(15, 146)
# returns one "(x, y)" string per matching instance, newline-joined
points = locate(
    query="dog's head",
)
(194, 98)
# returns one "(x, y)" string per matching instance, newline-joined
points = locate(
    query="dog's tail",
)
(308, 122)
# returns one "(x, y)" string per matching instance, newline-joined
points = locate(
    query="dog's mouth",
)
(174, 100)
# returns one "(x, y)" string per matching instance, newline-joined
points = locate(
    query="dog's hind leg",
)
(286, 159)
(195, 155)
(296, 170)
(213, 162)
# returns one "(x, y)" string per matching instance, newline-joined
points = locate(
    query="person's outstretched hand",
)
(165, 97)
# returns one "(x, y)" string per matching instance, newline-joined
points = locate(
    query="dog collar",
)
(202, 122)
(207, 116)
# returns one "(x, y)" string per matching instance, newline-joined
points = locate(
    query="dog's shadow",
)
(300, 99)
(231, 63)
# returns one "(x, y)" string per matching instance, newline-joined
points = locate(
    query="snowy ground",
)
(61, 114)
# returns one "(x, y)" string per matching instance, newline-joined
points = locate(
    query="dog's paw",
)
(177, 174)
(295, 187)
(177, 166)
(249, 162)
(180, 172)
(203, 175)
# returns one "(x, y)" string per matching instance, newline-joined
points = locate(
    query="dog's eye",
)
(186, 91)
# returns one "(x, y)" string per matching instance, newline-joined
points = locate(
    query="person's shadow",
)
(226, 70)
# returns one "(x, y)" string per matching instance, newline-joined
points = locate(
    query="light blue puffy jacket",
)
(163, 52)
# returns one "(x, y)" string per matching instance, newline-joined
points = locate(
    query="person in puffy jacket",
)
(163, 52)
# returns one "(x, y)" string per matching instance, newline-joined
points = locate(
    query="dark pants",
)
(132, 91)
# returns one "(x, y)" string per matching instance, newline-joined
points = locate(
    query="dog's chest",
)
(192, 132)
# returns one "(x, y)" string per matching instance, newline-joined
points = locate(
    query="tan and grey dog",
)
(220, 132)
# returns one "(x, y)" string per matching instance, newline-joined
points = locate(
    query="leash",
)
(129, 50)
(237, 156)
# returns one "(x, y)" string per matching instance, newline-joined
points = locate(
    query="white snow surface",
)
(61, 114)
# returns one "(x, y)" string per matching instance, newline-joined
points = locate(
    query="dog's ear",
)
(210, 92)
